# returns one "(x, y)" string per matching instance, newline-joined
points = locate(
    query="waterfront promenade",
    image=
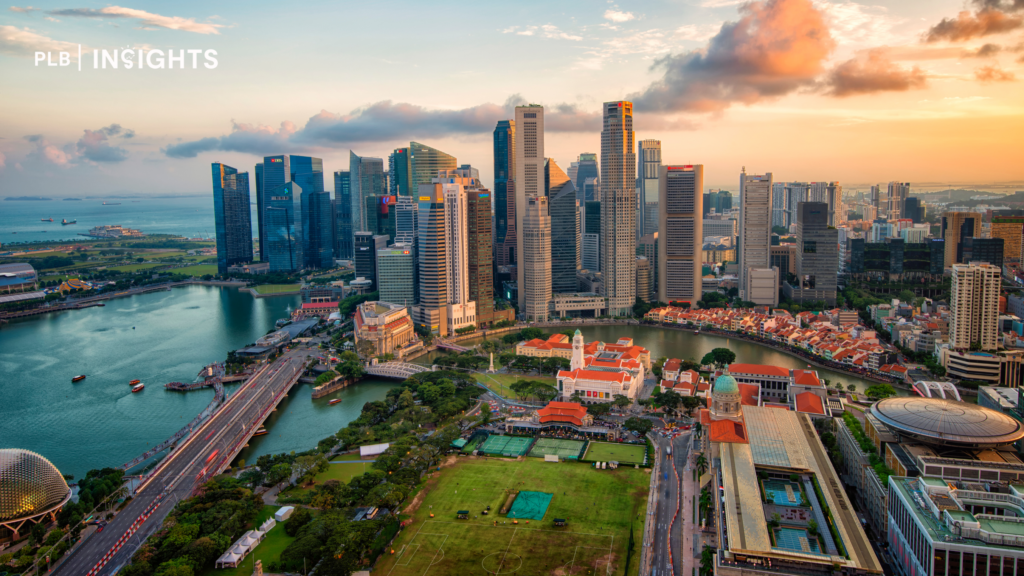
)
(206, 452)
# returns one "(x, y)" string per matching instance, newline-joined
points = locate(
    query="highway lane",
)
(207, 451)
(667, 553)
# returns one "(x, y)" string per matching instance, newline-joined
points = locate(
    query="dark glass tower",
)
(366, 176)
(232, 216)
(342, 215)
(283, 224)
(399, 183)
(259, 210)
(366, 246)
(504, 192)
(563, 209)
(587, 168)
(317, 225)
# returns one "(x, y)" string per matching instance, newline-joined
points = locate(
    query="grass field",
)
(621, 453)
(137, 267)
(277, 288)
(600, 506)
(196, 270)
(268, 551)
(499, 383)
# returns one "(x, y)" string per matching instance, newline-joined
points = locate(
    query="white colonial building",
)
(601, 375)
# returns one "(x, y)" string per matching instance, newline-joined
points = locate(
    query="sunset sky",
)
(930, 92)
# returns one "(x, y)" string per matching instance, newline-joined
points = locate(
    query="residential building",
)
(398, 274)
(565, 228)
(504, 193)
(590, 251)
(406, 220)
(955, 227)
(366, 178)
(831, 194)
(816, 256)
(367, 245)
(232, 216)
(780, 214)
(974, 307)
(795, 192)
(648, 174)
(317, 230)
(897, 199)
(1010, 229)
(618, 212)
(384, 324)
(755, 227)
(343, 239)
(680, 241)
(587, 171)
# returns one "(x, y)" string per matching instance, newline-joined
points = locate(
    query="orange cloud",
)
(993, 74)
(870, 73)
(988, 20)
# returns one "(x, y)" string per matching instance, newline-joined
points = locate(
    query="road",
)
(667, 551)
(207, 451)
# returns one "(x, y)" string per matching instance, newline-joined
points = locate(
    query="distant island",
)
(27, 199)
(72, 199)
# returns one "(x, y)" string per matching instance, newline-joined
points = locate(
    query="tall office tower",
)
(367, 244)
(914, 209)
(533, 266)
(718, 200)
(648, 248)
(987, 250)
(443, 250)
(817, 258)
(587, 169)
(974, 307)
(795, 192)
(397, 274)
(467, 171)
(648, 155)
(780, 216)
(480, 260)
(366, 177)
(618, 208)
(406, 220)
(1011, 230)
(643, 278)
(282, 221)
(380, 217)
(259, 209)
(876, 200)
(897, 194)
(425, 162)
(830, 193)
(399, 177)
(342, 214)
(317, 228)
(232, 217)
(755, 225)
(955, 227)
(565, 230)
(504, 193)
(680, 233)
(590, 257)
(571, 172)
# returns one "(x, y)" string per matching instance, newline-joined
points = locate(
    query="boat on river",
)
(138, 388)
(260, 431)
(333, 402)
(134, 382)
(78, 378)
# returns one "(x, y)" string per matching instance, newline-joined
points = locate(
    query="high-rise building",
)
(987, 250)
(504, 193)
(974, 307)
(877, 202)
(955, 227)
(783, 257)
(425, 162)
(366, 176)
(317, 230)
(342, 215)
(718, 200)
(795, 193)
(406, 220)
(399, 177)
(643, 278)
(755, 225)
(618, 208)
(1011, 230)
(565, 228)
(260, 235)
(367, 245)
(282, 222)
(397, 274)
(648, 170)
(897, 198)
(780, 215)
(587, 170)
(480, 259)
(591, 236)
(914, 209)
(232, 216)
(648, 248)
(533, 266)
(380, 217)
(817, 257)
(680, 233)
(830, 193)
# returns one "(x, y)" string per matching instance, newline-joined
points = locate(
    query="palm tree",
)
(701, 463)
(707, 561)
(705, 501)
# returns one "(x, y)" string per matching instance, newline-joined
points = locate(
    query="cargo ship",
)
(78, 378)
(138, 388)
(47, 219)
(134, 382)
(333, 402)
(260, 431)
(65, 222)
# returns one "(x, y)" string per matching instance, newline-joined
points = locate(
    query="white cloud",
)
(618, 16)
(51, 19)
(547, 31)
(23, 9)
(858, 26)
(697, 33)
(16, 41)
(148, 19)
(721, 3)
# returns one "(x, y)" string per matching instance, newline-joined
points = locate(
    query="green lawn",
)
(600, 506)
(137, 267)
(268, 551)
(340, 472)
(277, 288)
(499, 383)
(196, 270)
(621, 453)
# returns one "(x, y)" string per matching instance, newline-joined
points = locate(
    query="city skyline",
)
(908, 92)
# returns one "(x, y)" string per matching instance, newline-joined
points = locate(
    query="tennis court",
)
(530, 506)
(565, 449)
(506, 445)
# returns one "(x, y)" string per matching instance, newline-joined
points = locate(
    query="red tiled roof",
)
(672, 365)
(318, 305)
(749, 394)
(759, 369)
(807, 377)
(726, 431)
(563, 412)
(584, 374)
(809, 402)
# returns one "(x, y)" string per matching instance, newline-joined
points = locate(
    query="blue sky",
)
(856, 92)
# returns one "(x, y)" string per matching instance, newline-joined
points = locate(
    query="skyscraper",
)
(817, 259)
(564, 212)
(755, 224)
(618, 208)
(504, 192)
(282, 220)
(591, 236)
(342, 214)
(1011, 230)
(780, 215)
(480, 261)
(366, 177)
(648, 156)
(987, 250)
(974, 307)
(367, 245)
(897, 195)
(795, 192)
(425, 162)
(830, 193)
(406, 220)
(397, 274)
(317, 228)
(232, 216)
(399, 178)
(648, 248)
(681, 233)
(534, 253)
(955, 227)
(259, 210)
(380, 215)
(587, 169)
(914, 209)
(643, 278)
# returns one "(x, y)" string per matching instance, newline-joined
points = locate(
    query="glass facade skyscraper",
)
(648, 155)
(381, 216)
(397, 274)
(398, 173)
(259, 211)
(342, 215)
(587, 168)
(565, 232)
(504, 192)
(232, 216)
(425, 162)
(366, 176)
(283, 222)
(317, 227)
(406, 220)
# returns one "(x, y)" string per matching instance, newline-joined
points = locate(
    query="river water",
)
(157, 337)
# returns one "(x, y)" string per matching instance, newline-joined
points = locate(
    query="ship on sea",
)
(47, 219)
(65, 222)
(111, 203)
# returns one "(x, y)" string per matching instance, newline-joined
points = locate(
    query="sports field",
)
(277, 288)
(621, 453)
(600, 509)
(566, 449)
(505, 445)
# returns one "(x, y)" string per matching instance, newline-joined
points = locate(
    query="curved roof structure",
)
(948, 422)
(726, 384)
(29, 485)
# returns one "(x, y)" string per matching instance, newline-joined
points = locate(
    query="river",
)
(157, 337)
(685, 344)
